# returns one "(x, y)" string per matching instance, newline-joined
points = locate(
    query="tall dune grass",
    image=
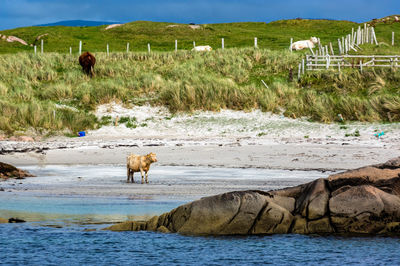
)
(49, 93)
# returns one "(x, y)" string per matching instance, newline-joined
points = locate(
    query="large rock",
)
(361, 201)
(9, 171)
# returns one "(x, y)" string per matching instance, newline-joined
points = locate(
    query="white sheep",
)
(299, 45)
(202, 48)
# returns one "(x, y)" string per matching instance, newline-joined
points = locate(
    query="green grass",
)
(274, 35)
(49, 93)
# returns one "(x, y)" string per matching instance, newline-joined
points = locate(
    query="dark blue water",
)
(31, 244)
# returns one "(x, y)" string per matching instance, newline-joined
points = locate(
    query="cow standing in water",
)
(87, 61)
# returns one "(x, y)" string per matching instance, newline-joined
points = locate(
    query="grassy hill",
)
(162, 36)
(49, 93)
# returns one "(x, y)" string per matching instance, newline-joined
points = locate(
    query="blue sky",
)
(20, 13)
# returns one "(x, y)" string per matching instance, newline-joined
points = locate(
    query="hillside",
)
(50, 94)
(162, 35)
(78, 23)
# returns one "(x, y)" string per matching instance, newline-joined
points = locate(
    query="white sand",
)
(228, 139)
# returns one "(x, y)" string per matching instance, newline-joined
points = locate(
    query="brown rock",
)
(363, 176)
(163, 229)
(126, 226)
(9, 171)
(212, 215)
(313, 202)
(321, 226)
(152, 224)
(300, 225)
(285, 202)
(356, 200)
(26, 139)
(274, 220)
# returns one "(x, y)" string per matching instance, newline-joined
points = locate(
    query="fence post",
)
(127, 47)
(222, 43)
(148, 47)
(331, 47)
(41, 46)
(338, 64)
(70, 50)
(376, 42)
(291, 43)
(194, 44)
(80, 47)
(176, 45)
(255, 42)
(298, 74)
(108, 50)
(302, 66)
(361, 66)
(308, 45)
(365, 32)
(392, 38)
(34, 49)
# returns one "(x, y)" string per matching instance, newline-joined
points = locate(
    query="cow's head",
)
(152, 157)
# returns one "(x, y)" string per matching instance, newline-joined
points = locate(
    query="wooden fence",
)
(319, 62)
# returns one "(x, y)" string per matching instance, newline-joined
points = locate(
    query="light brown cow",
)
(139, 163)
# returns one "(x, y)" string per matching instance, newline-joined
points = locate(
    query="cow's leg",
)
(147, 175)
(91, 71)
(128, 174)
(132, 178)
(141, 172)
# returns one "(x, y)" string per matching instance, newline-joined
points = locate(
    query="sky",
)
(21, 13)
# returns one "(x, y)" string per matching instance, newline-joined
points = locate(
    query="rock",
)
(26, 139)
(360, 201)
(9, 171)
(300, 225)
(41, 36)
(16, 220)
(218, 215)
(274, 220)
(113, 26)
(15, 39)
(321, 226)
(163, 229)
(125, 226)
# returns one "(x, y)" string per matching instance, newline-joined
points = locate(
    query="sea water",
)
(33, 244)
(66, 229)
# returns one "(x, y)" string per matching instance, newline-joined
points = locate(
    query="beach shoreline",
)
(229, 154)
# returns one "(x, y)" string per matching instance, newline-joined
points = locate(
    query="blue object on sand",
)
(82, 133)
(378, 135)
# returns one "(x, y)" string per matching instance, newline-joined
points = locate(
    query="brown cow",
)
(139, 163)
(87, 61)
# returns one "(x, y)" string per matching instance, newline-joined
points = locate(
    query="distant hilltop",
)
(79, 23)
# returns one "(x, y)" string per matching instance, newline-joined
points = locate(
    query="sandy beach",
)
(205, 141)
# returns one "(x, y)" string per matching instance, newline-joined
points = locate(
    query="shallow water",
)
(54, 233)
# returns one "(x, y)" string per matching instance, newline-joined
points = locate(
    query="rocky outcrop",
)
(16, 39)
(9, 171)
(11, 220)
(361, 201)
(113, 26)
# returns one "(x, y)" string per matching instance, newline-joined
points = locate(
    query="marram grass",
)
(49, 93)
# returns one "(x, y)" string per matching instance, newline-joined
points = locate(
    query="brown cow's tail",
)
(91, 71)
